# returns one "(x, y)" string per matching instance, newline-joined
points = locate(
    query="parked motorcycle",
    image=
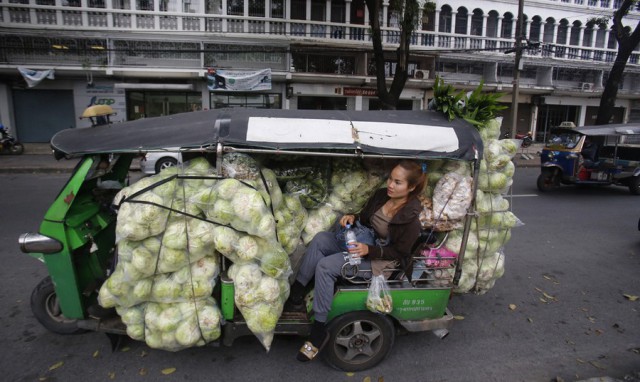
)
(8, 144)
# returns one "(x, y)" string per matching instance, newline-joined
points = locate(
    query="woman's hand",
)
(347, 219)
(359, 250)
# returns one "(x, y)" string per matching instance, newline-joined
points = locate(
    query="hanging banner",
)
(34, 77)
(239, 80)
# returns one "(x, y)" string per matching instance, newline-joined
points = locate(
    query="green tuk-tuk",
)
(77, 237)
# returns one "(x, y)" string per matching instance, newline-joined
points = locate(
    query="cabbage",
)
(319, 220)
(467, 278)
(509, 147)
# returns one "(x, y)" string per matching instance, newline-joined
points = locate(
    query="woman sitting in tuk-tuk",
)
(393, 214)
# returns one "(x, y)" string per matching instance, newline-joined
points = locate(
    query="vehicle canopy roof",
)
(602, 130)
(414, 134)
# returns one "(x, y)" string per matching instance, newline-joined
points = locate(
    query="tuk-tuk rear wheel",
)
(634, 185)
(46, 308)
(359, 340)
(546, 182)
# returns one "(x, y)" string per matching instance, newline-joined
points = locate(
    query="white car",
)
(154, 162)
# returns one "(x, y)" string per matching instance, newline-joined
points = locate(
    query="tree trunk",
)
(610, 92)
(390, 97)
(626, 44)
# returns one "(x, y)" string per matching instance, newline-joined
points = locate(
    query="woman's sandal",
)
(308, 351)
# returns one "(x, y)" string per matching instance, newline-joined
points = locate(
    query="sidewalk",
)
(38, 158)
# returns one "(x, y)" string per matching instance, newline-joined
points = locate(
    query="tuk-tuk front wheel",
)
(359, 340)
(46, 308)
(546, 181)
(634, 185)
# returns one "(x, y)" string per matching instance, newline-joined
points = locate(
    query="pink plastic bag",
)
(439, 257)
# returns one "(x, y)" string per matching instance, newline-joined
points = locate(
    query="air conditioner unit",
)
(586, 86)
(421, 74)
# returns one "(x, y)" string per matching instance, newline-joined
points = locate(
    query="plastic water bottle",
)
(351, 240)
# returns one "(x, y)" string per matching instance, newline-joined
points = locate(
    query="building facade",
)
(147, 58)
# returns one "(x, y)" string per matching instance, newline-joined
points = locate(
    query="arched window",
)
(523, 27)
(612, 43)
(476, 22)
(600, 35)
(575, 33)
(445, 19)
(588, 34)
(548, 30)
(563, 30)
(507, 26)
(535, 29)
(492, 24)
(461, 20)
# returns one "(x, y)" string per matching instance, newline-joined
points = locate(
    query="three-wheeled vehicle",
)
(592, 155)
(76, 240)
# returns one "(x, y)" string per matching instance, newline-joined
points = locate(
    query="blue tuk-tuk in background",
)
(592, 155)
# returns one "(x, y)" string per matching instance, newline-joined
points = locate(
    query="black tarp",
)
(419, 134)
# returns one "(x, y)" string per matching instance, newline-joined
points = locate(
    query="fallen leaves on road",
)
(530, 319)
(169, 370)
(630, 297)
(125, 349)
(512, 306)
(552, 279)
(96, 353)
(458, 317)
(142, 371)
(56, 365)
(546, 297)
(597, 365)
(112, 375)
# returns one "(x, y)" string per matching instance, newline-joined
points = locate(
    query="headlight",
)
(37, 243)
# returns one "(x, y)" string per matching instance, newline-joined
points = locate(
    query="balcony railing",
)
(23, 16)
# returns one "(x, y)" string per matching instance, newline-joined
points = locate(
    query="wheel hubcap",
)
(358, 341)
(53, 309)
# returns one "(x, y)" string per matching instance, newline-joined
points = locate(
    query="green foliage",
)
(476, 107)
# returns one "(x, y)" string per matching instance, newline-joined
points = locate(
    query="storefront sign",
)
(367, 92)
(239, 80)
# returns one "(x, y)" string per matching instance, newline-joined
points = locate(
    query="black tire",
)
(359, 340)
(46, 309)
(166, 162)
(546, 182)
(634, 185)
(17, 149)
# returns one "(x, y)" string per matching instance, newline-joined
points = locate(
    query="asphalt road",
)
(567, 271)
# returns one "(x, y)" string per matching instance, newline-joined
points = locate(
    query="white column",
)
(225, 26)
(483, 32)
(58, 13)
(287, 16)
(156, 18)
(581, 37)
(83, 15)
(541, 33)
(385, 13)
(109, 5)
(245, 13)
(436, 27)
(499, 27)
(267, 14)
(327, 18)
(307, 27)
(347, 11)
(453, 21)
(467, 42)
(555, 33)
(527, 29)
(514, 27)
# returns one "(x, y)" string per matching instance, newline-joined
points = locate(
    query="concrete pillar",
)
(485, 17)
(453, 21)
(499, 27)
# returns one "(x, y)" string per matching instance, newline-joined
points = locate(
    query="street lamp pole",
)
(517, 68)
